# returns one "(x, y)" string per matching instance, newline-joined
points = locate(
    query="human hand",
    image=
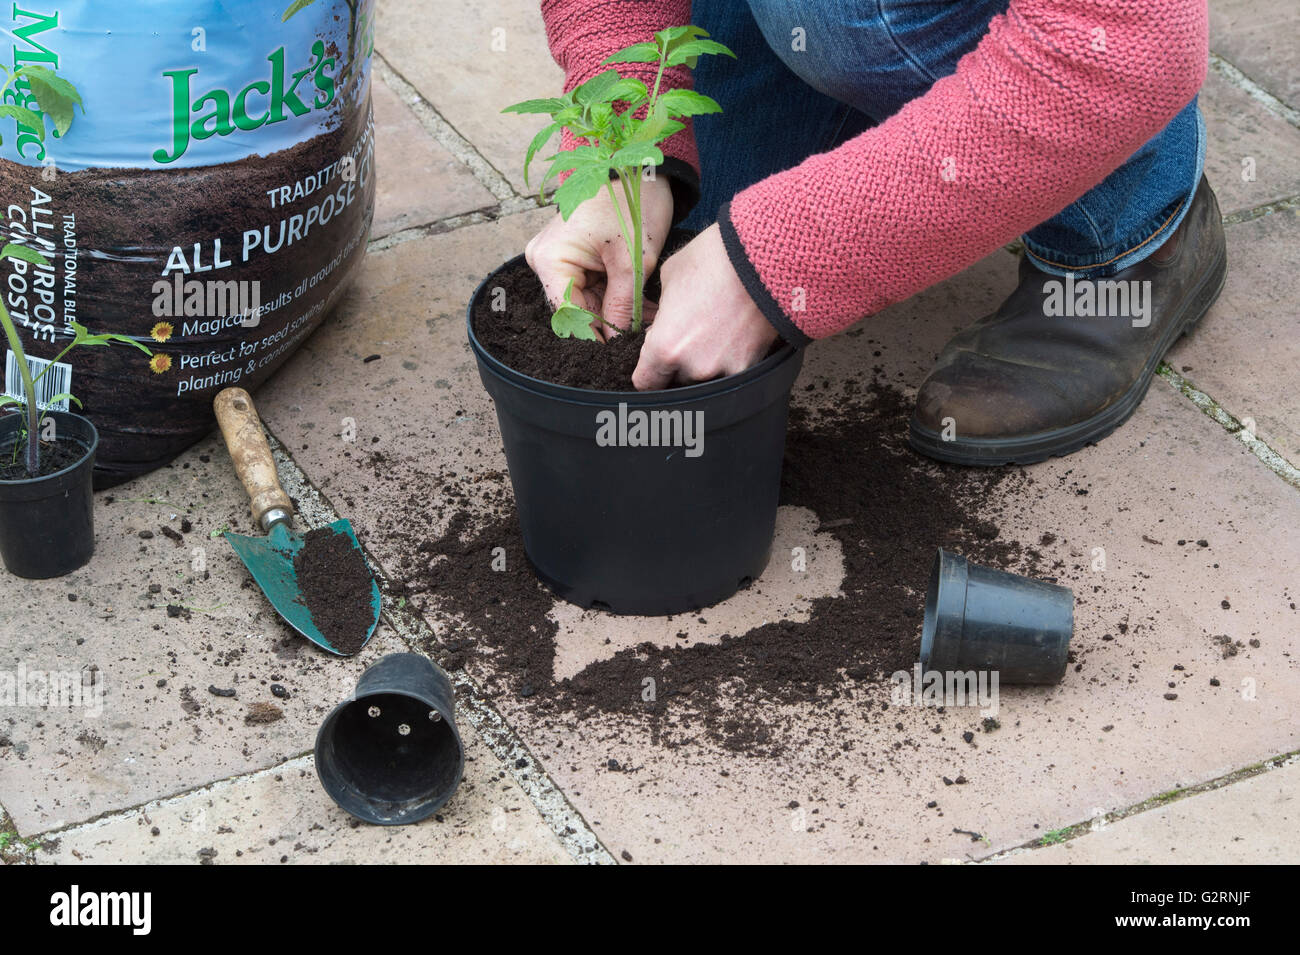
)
(589, 249)
(707, 326)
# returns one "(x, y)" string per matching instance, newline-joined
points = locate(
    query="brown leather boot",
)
(1064, 362)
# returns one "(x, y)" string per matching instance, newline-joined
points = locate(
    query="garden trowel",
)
(270, 559)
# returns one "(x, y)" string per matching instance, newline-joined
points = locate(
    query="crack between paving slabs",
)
(443, 132)
(1076, 830)
(1211, 408)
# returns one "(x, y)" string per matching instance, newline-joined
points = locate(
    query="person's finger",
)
(620, 284)
(556, 263)
(656, 368)
(555, 275)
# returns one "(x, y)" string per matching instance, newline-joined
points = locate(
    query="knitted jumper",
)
(1057, 95)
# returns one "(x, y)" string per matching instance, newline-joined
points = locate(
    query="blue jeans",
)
(862, 61)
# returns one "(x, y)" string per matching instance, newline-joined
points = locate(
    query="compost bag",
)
(211, 201)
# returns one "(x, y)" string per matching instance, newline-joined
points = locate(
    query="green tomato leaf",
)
(57, 98)
(65, 395)
(541, 139)
(8, 400)
(687, 52)
(580, 157)
(15, 251)
(636, 53)
(657, 126)
(295, 7)
(672, 36)
(596, 89)
(637, 154)
(106, 337)
(688, 103)
(553, 104)
(602, 116)
(629, 90)
(572, 320)
(579, 187)
(28, 118)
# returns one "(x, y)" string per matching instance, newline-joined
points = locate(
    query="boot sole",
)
(1030, 449)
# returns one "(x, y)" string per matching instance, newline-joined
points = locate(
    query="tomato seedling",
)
(621, 123)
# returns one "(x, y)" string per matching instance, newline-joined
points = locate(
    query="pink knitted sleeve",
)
(582, 33)
(1056, 96)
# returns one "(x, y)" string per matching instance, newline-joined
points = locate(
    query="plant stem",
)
(631, 184)
(638, 266)
(618, 211)
(29, 389)
(53, 361)
(654, 94)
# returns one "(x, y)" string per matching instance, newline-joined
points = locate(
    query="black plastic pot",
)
(643, 530)
(977, 618)
(47, 524)
(391, 755)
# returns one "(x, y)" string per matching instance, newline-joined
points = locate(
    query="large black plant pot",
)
(643, 530)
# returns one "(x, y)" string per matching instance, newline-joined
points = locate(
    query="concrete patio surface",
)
(1172, 737)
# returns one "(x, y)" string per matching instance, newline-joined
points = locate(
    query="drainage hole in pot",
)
(434, 716)
(373, 712)
(403, 729)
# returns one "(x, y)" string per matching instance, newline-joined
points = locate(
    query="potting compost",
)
(211, 200)
(336, 586)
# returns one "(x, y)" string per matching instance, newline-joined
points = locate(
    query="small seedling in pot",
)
(29, 403)
(618, 145)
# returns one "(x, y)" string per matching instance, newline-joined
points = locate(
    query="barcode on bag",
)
(57, 381)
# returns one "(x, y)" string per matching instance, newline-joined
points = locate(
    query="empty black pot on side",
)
(977, 618)
(643, 530)
(47, 524)
(391, 755)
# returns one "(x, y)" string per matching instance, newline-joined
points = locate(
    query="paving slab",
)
(1252, 154)
(419, 181)
(148, 723)
(1245, 357)
(281, 815)
(1107, 738)
(1250, 822)
(472, 63)
(1258, 37)
(157, 701)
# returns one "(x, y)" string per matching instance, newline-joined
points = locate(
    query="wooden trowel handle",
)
(246, 441)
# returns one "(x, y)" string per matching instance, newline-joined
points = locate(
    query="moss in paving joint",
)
(1057, 836)
(14, 849)
(1258, 212)
(1230, 423)
(1170, 796)
(1252, 89)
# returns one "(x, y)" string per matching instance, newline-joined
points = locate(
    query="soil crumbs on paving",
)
(888, 507)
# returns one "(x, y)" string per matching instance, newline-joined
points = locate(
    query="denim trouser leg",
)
(812, 73)
(771, 119)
